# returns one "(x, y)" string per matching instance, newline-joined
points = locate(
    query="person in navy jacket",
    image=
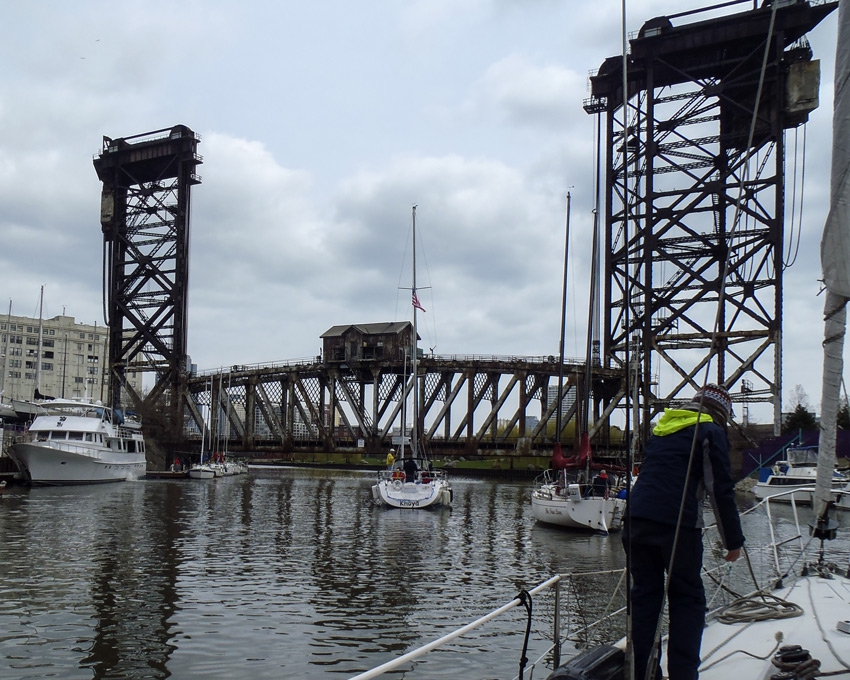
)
(685, 461)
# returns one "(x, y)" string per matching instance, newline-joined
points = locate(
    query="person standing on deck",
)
(686, 458)
(410, 469)
(390, 459)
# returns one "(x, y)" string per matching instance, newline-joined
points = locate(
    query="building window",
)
(48, 343)
(93, 359)
(31, 340)
(46, 366)
(82, 336)
(30, 365)
(47, 355)
(78, 379)
(29, 329)
(14, 363)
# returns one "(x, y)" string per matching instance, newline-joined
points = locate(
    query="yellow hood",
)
(675, 419)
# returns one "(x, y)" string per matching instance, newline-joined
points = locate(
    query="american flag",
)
(415, 301)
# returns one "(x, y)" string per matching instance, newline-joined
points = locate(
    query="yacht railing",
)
(422, 476)
(563, 591)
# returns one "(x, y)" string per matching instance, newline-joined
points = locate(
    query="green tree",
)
(843, 418)
(799, 419)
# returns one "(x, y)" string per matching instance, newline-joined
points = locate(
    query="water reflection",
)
(279, 573)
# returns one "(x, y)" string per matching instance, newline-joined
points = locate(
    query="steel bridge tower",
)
(145, 220)
(694, 199)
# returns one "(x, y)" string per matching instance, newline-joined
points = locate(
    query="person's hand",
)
(732, 555)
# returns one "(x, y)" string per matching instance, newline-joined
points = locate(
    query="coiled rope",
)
(760, 606)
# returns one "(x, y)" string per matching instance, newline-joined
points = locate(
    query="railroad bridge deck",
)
(468, 403)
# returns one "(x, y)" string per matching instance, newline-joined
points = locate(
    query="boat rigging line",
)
(794, 242)
(525, 598)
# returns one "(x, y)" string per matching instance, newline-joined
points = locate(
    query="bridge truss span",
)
(468, 404)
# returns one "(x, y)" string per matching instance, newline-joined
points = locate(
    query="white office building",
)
(68, 361)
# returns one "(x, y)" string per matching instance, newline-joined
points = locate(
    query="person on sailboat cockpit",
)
(410, 469)
(686, 459)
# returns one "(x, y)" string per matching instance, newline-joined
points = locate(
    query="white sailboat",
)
(563, 496)
(794, 477)
(413, 482)
(203, 469)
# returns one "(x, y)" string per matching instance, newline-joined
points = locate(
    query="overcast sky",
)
(322, 123)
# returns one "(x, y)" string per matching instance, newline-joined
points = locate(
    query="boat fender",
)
(397, 484)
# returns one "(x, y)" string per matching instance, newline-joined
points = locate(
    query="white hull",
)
(202, 472)
(800, 493)
(80, 442)
(396, 493)
(797, 474)
(44, 464)
(213, 470)
(570, 510)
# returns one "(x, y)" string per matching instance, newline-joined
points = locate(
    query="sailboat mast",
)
(6, 349)
(560, 397)
(592, 346)
(414, 432)
(40, 330)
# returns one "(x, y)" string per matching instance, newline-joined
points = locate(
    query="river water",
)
(280, 573)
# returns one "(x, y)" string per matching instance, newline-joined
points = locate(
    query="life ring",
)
(397, 484)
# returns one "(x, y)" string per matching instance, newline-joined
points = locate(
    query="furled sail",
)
(835, 261)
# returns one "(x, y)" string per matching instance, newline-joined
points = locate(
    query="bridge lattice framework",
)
(468, 403)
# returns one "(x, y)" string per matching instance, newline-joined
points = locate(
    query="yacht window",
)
(58, 436)
(76, 436)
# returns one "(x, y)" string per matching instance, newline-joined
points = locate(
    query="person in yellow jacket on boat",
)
(685, 461)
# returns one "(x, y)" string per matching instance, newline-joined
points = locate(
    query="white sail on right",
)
(835, 261)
